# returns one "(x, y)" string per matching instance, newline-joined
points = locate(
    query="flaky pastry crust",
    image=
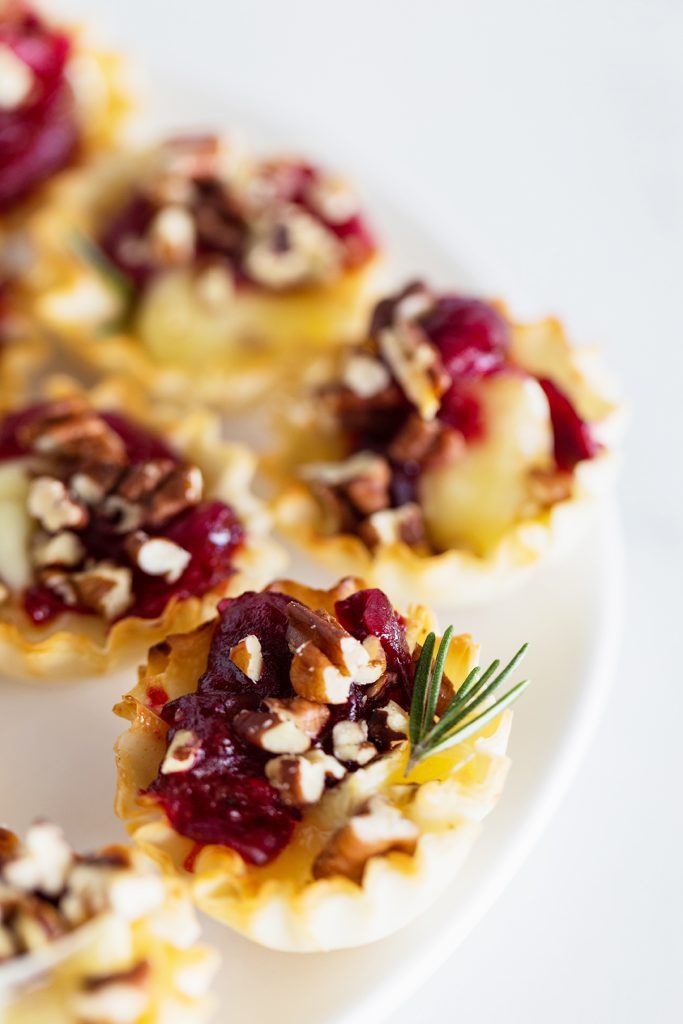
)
(267, 334)
(46, 985)
(77, 646)
(281, 905)
(459, 577)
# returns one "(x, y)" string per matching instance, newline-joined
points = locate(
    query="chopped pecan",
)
(248, 657)
(416, 365)
(104, 588)
(326, 657)
(271, 732)
(172, 235)
(365, 375)
(310, 717)
(404, 524)
(363, 480)
(71, 429)
(298, 780)
(301, 778)
(140, 480)
(157, 556)
(388, 725)
(51, 504)
(120, 997)
(93, 482)
(183, 753)
(179, 490)
(350, 742)
(43, 863)
(377, 828)
(63, 548)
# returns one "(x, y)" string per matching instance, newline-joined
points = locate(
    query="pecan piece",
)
(270, 732)
(105, 588)
(183, 753)
(327, 659)
(248, 657)
(71, 429)
(388, 725)
(51, 504)
(416, 365)
(363, 480)
(404, 524)
(310, 717)
(377, 828)
(157, 556)
(350, 742)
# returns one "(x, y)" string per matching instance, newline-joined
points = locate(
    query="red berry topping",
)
(573, 440)
(40, 135)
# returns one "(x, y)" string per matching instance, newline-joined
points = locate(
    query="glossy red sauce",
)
(225, 798)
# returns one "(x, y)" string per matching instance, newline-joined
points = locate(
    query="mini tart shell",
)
(281, 906)
(458, 577)
(23, 350)
(77, 646)
(268, 334)
(42, 987)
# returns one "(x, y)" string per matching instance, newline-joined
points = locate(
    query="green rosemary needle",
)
(429, 735)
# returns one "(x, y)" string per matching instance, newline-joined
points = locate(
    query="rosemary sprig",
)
(429, 735)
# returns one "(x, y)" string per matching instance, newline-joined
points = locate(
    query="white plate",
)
(55, 742)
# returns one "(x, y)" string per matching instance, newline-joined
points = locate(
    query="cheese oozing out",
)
(473, 501)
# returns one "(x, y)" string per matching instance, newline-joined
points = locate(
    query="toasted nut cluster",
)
(350, 742)
(83, 476)
(326, 659)
(274, 222)
(375, 829)
(46, 890)
(300, 779)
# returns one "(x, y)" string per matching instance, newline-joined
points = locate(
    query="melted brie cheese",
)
(15, 569)
(472, 502)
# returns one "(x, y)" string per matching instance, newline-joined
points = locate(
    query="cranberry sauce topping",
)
(288, 226)
(122, 487)
(573, 440)
(225, 797)
(38, 124)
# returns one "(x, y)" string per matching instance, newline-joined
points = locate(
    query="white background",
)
(544, 142)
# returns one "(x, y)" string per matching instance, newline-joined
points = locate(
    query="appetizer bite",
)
(95, 939)
(59, 103)
(305, 763)
(443, 456)
(120, 523)
(193, 264)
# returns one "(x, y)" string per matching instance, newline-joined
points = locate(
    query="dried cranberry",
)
(572, 437)
(40, 136)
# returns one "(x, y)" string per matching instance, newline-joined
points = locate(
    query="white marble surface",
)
(545, 139)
